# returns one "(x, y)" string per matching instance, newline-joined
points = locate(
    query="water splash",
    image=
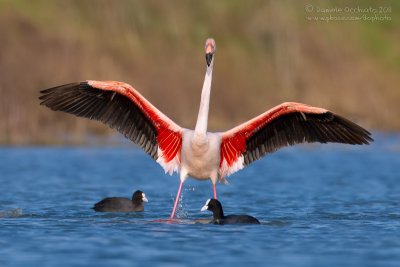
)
(181, 213)
(190, 188)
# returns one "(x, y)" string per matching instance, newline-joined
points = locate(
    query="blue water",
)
(331, 205)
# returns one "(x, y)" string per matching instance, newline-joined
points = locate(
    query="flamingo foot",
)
(176, 200)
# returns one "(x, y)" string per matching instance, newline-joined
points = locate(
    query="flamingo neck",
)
(202, 118)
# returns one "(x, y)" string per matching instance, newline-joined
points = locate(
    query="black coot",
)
(219, 218)
(121, 204)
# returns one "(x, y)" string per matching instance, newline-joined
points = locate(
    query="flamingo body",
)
(198, 153)
(200, 158)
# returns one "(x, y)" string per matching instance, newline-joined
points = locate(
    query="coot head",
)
(215, 207)
(139, 197)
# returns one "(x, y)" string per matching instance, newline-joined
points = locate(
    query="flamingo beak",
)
(209, 58)
(144, 198)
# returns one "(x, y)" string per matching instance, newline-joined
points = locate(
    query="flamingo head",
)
(210, 48)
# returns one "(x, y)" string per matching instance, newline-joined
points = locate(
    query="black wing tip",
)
(326, 127)
(113, 109)
(46, 94)
(63, 86)
(360, 135)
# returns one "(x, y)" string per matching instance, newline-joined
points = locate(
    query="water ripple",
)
(318, 206)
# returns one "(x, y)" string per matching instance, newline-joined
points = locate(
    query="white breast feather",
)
(225, 170)
(169, 167)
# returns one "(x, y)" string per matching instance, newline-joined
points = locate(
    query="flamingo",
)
(198, 153)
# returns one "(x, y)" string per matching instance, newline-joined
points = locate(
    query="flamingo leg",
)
(176, 200)
(215, 190)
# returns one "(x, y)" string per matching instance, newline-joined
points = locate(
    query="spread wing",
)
(121, 107)
(285, 125)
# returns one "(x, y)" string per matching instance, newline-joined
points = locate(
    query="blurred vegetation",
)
(268, 53)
